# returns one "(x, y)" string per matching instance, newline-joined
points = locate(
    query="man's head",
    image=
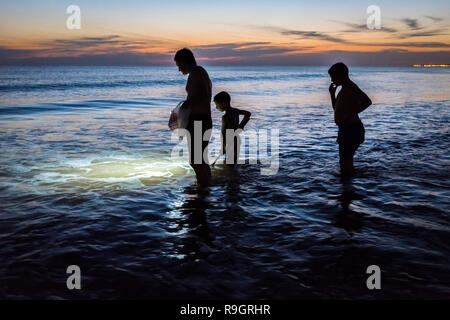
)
(184, 58)
(222, 101)
(338, 73)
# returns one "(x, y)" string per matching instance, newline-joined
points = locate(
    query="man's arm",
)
(332, 90)
(193, 88)
(246, 119)
(364, 101)
(339, 108)
(190, 89)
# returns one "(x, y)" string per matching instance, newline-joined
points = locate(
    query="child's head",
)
(338, 73)
(222, 101)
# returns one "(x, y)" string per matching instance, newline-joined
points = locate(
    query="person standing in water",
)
(230, 122)
(199, 93)
(350, 101)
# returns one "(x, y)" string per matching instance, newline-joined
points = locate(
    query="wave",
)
(90, 85)
(146, 83)
(88, 105)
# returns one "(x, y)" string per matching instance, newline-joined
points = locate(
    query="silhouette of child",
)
(350, 101)
(231, 127)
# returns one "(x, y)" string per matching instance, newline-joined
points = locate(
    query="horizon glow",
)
(234, 32)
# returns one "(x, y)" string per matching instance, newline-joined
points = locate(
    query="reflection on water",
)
(103, 172)
(347, 218)
(92, 183)
(194, 210)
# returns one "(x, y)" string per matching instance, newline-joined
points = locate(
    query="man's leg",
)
(201, 169)
(346, 160)
(347, 168)
(203, 173)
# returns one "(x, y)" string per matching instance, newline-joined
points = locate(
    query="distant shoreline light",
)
(431, 65)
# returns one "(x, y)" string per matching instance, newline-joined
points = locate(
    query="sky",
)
(244, 32)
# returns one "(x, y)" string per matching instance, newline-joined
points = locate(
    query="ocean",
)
(87, 179)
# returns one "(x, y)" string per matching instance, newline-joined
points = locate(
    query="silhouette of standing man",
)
(199, 93)
(350, 101)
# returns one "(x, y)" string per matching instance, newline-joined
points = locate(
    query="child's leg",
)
(231, 153)
(237, 148)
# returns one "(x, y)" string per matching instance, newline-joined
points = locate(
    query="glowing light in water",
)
(112, 171)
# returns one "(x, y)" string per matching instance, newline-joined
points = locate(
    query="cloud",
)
(391, 57)
(233, 45)
(435, 19)
(411, 44)
(313, 35)
(429, 33)
(355, 27)
(7, 54)
(91, 41)
(40, 57)
(326, 37)
(301, 34)
(108, 50)
(239, 51)
(412, 23)
(118, 50)
(106, 43)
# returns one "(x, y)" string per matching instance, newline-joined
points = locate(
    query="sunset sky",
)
(144, 32)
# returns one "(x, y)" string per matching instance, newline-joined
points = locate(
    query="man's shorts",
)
(349, 139)
(194, 142)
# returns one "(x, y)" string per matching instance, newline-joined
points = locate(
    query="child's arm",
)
(246, 119)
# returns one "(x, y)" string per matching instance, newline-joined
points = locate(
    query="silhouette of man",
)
(350, 101)
(199, 93)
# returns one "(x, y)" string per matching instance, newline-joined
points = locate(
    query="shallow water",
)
(86, 179)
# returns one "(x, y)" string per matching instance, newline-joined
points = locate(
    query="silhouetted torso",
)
(230, 119)
(198, 90)
(348, 102)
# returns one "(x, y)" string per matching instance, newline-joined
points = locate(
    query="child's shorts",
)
(349, 139)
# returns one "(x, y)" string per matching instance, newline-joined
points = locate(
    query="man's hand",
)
(332, 89)
(185, 105)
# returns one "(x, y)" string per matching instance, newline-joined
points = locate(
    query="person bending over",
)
(199, 93)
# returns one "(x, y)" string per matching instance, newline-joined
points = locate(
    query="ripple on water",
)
(95, 186)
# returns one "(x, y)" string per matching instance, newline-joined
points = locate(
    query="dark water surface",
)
(86, 179)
